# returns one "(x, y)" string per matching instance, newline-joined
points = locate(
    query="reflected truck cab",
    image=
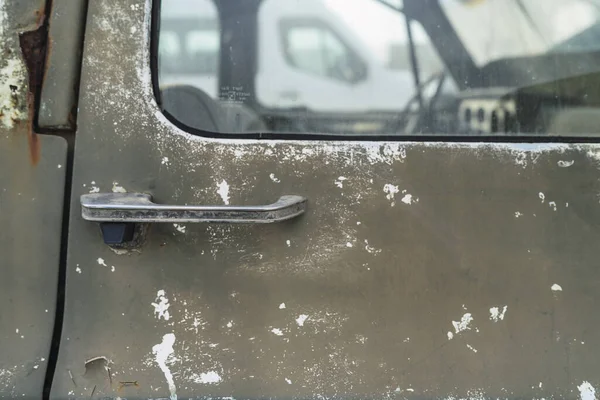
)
(309, 58)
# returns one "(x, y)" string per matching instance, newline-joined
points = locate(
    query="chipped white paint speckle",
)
(288, 243)
(497, 315)
(161, 305)
(223, 191)
(463, 324)
(78, 270)
(518, 214)
(163, 355)
(450, 335)
(587, 391)
(408, 199)
(165, 161)
(371, 249)
(94, 189)
(59, 166)
(288, 381)
(340, 181)
(474, 350)
(566, 164)
(552, 205)
(390, 191)
(542, 196)
(301, 319)
(556, 288)
(101, 261)
(116, 188)
(277, 331)
(179, 228)
(207, 378)
(274, 179)
(348, 244)
(12, 76)
(230, 324)
(282, 306)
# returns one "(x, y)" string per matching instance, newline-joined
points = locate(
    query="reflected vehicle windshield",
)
(382, 67)
(498, 29)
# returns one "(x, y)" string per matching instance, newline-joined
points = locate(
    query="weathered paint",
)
(31, 204)
(460, 244)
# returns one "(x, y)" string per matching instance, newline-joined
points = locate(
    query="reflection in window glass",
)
(347, 67)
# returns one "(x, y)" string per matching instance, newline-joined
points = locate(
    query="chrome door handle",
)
(118, 211)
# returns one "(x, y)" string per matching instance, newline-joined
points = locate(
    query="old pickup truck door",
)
(418, 269)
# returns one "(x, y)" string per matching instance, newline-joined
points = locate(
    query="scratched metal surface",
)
(32, 176)
(419, 271)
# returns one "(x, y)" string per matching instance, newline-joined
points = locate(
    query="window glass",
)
(356, 67)
(315, 49)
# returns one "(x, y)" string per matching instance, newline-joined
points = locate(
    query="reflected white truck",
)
(308, 57)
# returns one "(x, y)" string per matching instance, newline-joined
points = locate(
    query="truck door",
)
(333, 267)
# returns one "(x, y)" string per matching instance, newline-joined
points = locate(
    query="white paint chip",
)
(282, 306)
(566, 164)
(340, 181)
(518, 214)
(277, 332)
(542, 196)
(161, 306)
(301, 319)
(556, 288)
(474, 350)
(100, 261)
(59, 166)
(116, 188)
(207, 378)
(348, 244)
(497, 315)
(223, 191)
(587, 391)
(230, 324)
(165, 161)
(463, 324)
(78, 270)
(408, 199)
(288, 243)
(288, 381)
(450, 335)
(274, 179)
(390, 191)
(179, 228)
(163, 353)
(552, 205)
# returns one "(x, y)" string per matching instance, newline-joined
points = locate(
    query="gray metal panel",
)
(31, 204)
(59, 93)
(390, 286)
(32, 180)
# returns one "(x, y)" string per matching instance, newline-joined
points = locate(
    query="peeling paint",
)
(556, 288)
(207, 378)
(463, 324)
(301, 319)
(163, 353)
(587, 391)
(497, 315)
(223, 191)
(390, 191)
(566, 164)
(161, 306)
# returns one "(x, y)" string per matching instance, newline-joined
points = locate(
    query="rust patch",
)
(33, 48)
